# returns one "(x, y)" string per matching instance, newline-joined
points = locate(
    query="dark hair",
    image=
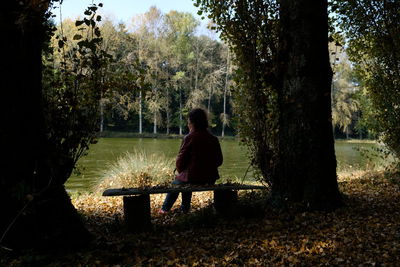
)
(198, 117)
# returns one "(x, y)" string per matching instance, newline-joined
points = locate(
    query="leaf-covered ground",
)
(365, 232)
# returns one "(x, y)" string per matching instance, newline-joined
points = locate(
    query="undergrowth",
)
(137, 169)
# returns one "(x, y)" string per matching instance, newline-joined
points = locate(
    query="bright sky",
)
(124, 10)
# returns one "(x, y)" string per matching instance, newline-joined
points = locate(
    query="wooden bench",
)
(136, 201)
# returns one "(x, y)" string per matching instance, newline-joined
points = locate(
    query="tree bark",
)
(180, 112)
(35, 208)
(307, 163)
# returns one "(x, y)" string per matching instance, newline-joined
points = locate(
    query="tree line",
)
(180, 69)
(160, 69)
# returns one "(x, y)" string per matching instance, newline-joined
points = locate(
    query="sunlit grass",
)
(137, 169)
(357, 141)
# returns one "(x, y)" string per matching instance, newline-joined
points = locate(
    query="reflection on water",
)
(107, 150)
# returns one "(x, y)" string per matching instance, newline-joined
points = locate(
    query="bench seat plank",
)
(177, 188)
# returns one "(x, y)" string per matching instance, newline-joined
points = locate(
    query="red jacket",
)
(200, 155)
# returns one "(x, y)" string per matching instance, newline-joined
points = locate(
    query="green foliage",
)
(345, 105)
(72, 88)
(251, 29)
(125, 75)
(160, 69)
(366, 122)
(178, 67)
(372, 30)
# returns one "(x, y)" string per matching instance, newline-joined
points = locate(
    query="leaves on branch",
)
(77, 37)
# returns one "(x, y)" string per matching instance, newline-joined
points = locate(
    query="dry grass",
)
(137, 170)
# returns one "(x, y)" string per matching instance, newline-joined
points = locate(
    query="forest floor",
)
(364, 232)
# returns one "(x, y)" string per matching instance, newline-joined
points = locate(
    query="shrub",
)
(138, 170)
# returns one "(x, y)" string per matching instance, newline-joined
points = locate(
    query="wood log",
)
(177, 188)
(225, 202)
(137, 213)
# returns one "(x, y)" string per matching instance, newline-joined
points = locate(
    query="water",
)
(107, 150)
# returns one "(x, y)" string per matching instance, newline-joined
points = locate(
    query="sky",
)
(124, 10)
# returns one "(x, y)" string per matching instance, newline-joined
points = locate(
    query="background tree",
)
(345, 106)
(372, 31)
(180, 27)
(284, 78)
(250, 28)
(125, 75)
(224, 116)
(159, 47)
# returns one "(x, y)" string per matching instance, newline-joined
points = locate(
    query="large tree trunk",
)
(307, 163)
(35, 208)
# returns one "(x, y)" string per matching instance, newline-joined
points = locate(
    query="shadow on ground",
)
(365, 231)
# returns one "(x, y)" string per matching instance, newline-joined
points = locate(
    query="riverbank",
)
(112, 134)
(363, 232)
(115, 134)
(357, 141)
(107, 151)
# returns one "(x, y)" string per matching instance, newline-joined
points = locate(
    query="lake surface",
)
(107, 151)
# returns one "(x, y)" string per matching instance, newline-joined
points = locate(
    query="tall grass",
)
(138, 169)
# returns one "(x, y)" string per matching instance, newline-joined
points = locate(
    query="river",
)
(92, 166)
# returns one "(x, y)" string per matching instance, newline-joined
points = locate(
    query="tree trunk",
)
(155, 123)
(196, 73)
(180, 112)
(167, 111)
(307, 163)
(209, 101)
(224, 115)
(225, 92)
(140, 113)
(35, 208)
(101, 115)
(155, 113)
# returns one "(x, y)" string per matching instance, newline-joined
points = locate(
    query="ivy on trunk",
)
(35, 208)
(282, 94)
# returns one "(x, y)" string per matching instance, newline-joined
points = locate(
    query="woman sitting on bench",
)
(198, 160)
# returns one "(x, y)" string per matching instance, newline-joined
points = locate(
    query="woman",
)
(198, 159)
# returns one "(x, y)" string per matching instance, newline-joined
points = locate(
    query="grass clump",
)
(138, 169)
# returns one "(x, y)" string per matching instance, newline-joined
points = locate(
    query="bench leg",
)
(137, 212)
(224, 201)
